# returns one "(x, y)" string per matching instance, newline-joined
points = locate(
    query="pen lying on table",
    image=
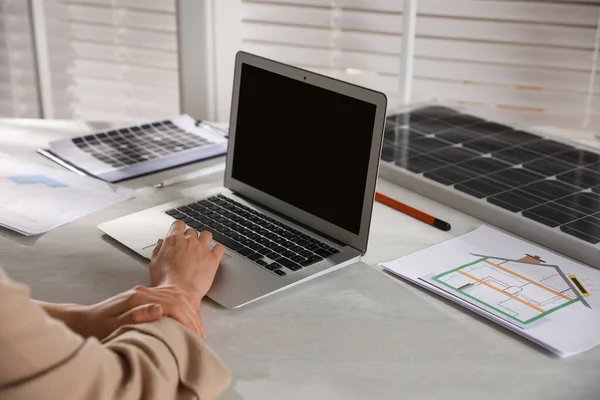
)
(413, 212)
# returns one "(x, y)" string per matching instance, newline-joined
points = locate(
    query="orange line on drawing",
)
(501, 291)
(529, 280)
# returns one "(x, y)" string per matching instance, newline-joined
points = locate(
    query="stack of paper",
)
(35, 198)
(548, 299)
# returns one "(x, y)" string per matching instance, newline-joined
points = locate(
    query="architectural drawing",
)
(521, 291)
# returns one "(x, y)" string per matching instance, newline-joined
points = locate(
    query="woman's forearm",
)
(156, 361)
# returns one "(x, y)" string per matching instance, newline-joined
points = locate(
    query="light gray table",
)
(353, 334)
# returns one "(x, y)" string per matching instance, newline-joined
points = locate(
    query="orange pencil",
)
(413, 212)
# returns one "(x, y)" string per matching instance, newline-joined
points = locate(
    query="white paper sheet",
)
(550, 300)
(35, 198)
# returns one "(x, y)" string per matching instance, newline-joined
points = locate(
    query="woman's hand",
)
(182, 270)
(186, 260)
(138, 305)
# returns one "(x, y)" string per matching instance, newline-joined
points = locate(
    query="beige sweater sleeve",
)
(40, 358)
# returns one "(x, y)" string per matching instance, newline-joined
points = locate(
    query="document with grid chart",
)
(118, 154)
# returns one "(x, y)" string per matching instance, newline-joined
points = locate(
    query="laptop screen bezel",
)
(358, 241)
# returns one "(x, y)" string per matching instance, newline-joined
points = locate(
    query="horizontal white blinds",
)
(113, 59)
(531, 62)
(18, 78)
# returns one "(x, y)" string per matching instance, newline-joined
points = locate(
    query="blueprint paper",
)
(35, 198)
(549, 299)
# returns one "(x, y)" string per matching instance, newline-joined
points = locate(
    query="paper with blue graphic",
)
(35, 198)
(36, 179)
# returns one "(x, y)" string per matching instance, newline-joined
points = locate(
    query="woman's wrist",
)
(191, 291)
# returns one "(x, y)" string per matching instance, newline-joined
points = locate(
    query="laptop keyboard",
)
(255, 236)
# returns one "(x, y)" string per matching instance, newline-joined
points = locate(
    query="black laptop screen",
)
(304, 145)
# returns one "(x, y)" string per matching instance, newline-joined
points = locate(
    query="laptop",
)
(300, 177)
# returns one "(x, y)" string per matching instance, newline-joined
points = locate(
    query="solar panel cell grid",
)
(549, 182)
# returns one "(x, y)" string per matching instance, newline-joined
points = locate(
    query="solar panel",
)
(542, 189)
(130, 151)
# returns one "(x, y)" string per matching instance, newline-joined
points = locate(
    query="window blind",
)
(529, 62)
(113, 59)
(18, 79)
